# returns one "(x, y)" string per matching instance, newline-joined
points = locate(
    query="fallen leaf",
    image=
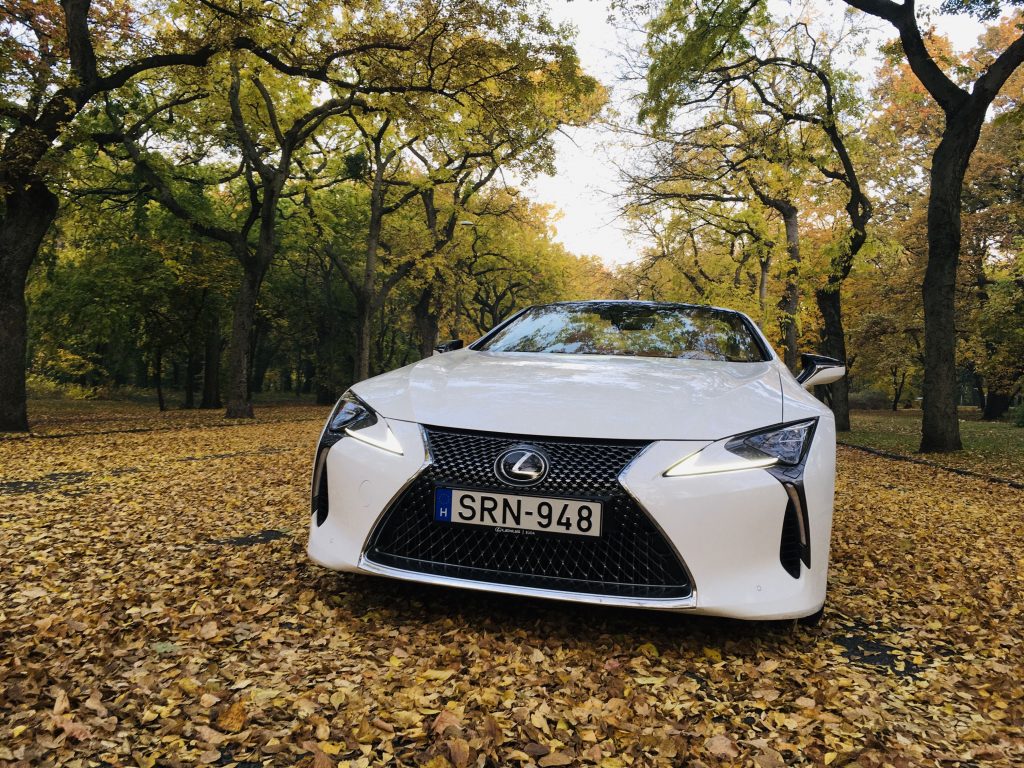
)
(445, 719)
(555, 758)
(207, 734)
(458, 749)
(74, 730)
(233, 718)
(95, 704)
(61, 704)
(721, 746)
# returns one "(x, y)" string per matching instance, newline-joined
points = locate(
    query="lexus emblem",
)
(521, 465)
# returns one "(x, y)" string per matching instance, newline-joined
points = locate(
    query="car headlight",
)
(356, 419)
(784, 445)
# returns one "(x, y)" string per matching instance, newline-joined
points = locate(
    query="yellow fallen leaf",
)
(233, 718)
(331, 747)
(648, 650)
(438, 674)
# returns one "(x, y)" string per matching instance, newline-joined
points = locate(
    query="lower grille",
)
(630, 559)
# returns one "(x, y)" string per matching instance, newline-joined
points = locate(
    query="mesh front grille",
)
(630, 559)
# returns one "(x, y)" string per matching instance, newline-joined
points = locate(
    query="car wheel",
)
(813, 620)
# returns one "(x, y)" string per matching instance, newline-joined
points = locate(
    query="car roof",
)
(597, 303)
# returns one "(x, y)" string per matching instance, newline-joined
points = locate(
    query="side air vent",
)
(790, 548)
(795, 546)
(320, 501)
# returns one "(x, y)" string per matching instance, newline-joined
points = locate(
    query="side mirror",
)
(819, 369)
(449, 346)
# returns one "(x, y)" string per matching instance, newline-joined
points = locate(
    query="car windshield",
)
(643, 330)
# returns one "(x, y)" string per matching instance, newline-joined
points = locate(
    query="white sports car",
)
(617, 452)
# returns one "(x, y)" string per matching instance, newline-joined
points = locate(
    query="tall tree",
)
(784, 70)
(55, 59)
(266, 126)
(443, 152)
(964, 108)
(724, 159)
(705, 31)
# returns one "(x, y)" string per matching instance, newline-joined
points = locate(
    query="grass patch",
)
(990, 447)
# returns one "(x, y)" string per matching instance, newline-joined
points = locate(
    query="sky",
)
(583, 190)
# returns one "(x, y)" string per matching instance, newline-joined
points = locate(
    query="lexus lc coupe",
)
(624, 453)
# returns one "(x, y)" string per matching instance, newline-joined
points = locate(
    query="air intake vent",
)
(321, 504)
(791, 549)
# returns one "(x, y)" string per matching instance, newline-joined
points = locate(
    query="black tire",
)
(813, 620)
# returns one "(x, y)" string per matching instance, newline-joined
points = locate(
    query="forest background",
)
(213, 200)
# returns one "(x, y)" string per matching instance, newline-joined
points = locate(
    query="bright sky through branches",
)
(586, 182)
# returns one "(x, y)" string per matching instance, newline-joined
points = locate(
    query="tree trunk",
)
(833, 343)
(158, 374)
(364, 339)
(940, 426)
(790, 303)
(897, 387)
(239, 402)
(262, 357)
(762, 287)
(366, 296)
(211, 366)
(29, 213)
(996, 404)
(979, 388)
(426, 323)
(308, 376)
(190, 378)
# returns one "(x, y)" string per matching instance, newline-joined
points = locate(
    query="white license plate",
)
(517, 514)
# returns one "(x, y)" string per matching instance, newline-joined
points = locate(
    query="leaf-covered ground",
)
(157, 608)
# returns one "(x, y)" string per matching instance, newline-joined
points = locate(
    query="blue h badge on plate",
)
(443, 505)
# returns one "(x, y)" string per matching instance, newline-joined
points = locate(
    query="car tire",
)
(813, 620)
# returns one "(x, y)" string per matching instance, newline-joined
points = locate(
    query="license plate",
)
(517, 514)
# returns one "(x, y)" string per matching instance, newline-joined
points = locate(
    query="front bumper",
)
(726, 528)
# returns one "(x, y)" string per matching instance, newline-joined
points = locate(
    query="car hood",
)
(589, 396)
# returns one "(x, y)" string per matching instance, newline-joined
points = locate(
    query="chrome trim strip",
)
(368, 566)
(318, 469)
(795, 498)
(657, 525)
(319, 459)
